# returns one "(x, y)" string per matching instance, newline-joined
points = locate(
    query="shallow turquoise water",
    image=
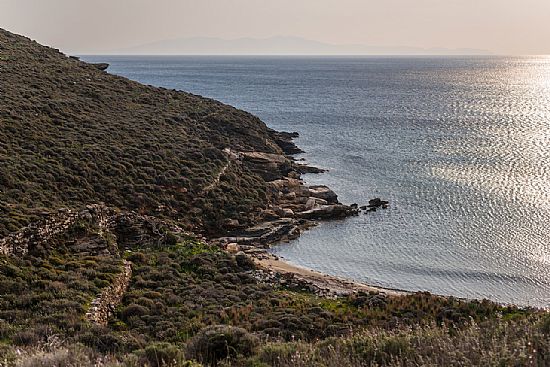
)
(460, 147)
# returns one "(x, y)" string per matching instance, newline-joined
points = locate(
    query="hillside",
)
(133, 223)
(72, 134)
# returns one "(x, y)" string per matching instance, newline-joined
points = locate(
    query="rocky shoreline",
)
(294, 207)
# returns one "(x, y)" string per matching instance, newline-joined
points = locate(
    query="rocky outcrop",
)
(264, 233)
(323, 212)
(103, 307)
(268, 166)
(101, 66)
(323, 192)
(293, 205)
(285, 141)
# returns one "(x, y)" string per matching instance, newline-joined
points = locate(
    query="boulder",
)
(313, 202)
(269, 166)
(310, 203)
(284, 212)
(233, 248)
(288, 213)
(323, 192)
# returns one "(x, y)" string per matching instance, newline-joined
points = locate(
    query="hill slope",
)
(71, 134)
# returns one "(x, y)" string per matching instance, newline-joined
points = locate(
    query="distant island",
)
(276, 46)
(133, 232)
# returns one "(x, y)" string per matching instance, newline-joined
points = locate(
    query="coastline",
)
(294, 207)
(322, 283)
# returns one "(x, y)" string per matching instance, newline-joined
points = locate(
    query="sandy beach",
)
(333, 284)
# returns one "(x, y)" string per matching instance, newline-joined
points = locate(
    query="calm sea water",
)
(459, 146)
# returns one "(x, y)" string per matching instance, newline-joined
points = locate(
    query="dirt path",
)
(216, 180)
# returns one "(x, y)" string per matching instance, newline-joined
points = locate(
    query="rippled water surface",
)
(459, 146)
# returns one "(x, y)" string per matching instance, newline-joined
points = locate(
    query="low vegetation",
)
(190, 301)
(71, 135)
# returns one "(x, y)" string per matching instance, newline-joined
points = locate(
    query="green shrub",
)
(26, 337)
(161, 354)
(218, 342)
(133, 310)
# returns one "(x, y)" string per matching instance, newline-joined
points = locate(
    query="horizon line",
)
(313, 55)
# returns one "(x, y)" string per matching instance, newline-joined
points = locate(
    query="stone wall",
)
(104, 305)
(18, 244)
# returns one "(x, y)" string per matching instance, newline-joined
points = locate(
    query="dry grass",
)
(499, 343)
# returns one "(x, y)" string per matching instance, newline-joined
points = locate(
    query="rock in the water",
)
(377, 202)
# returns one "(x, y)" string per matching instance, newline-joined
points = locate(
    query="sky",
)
(87, 27)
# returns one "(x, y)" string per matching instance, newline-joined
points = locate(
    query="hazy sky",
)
(88, 26)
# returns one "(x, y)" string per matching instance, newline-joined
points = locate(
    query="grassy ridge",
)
(71, 134)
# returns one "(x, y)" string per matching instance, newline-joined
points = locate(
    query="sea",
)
(459, 146)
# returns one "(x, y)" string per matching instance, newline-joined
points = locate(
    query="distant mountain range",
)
(278, 46)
